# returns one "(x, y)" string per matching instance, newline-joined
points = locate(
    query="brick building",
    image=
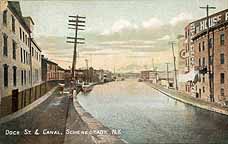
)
(196, 34)
(51, 71)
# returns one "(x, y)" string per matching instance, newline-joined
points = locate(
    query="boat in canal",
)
(87, 87)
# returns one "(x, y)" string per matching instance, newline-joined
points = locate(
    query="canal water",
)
(147, 116)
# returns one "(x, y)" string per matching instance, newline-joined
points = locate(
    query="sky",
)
(123, 34)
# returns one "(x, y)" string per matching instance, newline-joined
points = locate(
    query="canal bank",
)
(185, 98)
(91, 130)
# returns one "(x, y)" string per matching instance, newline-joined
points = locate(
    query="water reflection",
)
(147, 116)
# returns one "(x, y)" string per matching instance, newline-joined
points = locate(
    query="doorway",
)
(14, 100)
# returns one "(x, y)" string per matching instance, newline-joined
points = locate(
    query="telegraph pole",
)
(210, 57)
(167, 72)
(76, 23)
(153, 63)
(87, 69)
(174, 62)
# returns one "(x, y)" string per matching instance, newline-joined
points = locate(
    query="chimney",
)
(30, 23)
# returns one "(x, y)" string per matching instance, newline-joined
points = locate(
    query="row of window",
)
(25, 56)
(23, 36)
(202, 61)
(24, 76)
(5, 15)
(36, 54)
(222, 78)
(222, 42)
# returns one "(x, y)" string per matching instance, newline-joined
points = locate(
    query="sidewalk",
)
(51, 115)
(214, 107)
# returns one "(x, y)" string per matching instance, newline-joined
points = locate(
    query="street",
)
(48, 117)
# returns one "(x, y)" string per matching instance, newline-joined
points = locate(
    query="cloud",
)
(180, 18)
(152, 23)
(133, 42)
(166, 37)
(120, 26)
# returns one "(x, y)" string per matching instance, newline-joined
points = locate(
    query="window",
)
(203, 45)
(26, 39)
(5, 71)
(32, 51)
(211, 60)
(203, 61)
(13, 24)
(199, 62)
(5, 17)
(29, 73)
(222, 78)
(222, 59)
(199, 47)
(20, 34)
(23, 37)
(21, 55)
(22, 77)
(14, 76)
(25, 76)
(210, 43)
(203, 89)
(5, 45)
(24, 56)
(222, 92)
(222, 39)
(203, 78)
(14, 49)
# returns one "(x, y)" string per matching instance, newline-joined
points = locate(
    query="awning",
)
(190, 76)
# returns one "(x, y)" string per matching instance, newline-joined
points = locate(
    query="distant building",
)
(51, 71)
(158, 77)
(145, 75)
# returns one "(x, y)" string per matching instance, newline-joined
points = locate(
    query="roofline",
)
(20, 19)
(33, 41)
(29, 17)
(214, 14)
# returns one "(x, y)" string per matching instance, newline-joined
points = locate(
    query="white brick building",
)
(20, 69)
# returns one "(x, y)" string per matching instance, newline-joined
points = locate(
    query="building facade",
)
(18, 84)
(210, 57)
(51, 71)
(35, 63)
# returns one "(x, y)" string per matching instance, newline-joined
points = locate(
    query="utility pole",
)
(210, 57)
(174, 63)
(91, 60)
(167, 72)
(76, 23)
(87, 69)
(153, 64)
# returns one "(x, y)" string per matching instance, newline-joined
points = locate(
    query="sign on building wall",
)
(201, 25)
